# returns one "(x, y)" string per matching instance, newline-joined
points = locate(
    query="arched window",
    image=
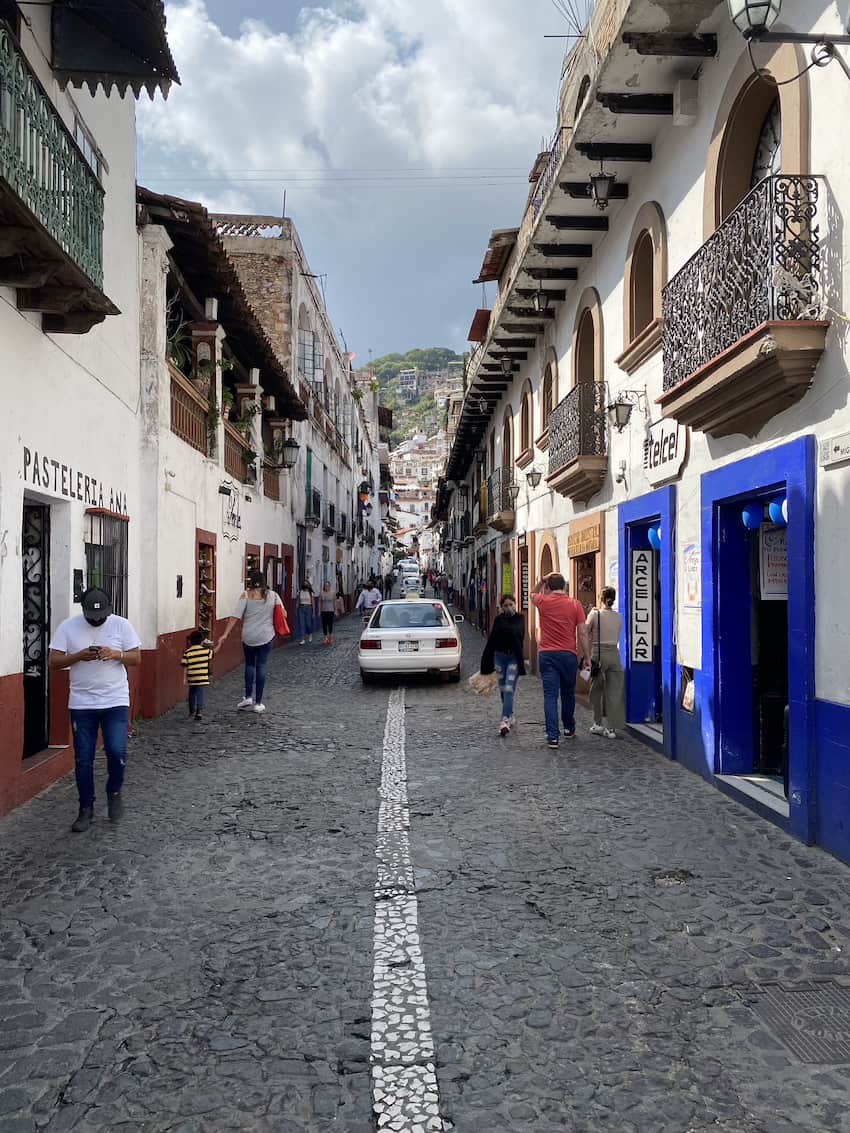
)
(305, 345)
(762, 128)
(585, 349)
(583, 90)
(526, 440)
(548, 395)
(645, 277)
(508, 440)
(546, 565)
(587, 340)
(642, 285)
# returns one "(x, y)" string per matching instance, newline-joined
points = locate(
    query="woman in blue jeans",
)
(255, 610)
(503, 655)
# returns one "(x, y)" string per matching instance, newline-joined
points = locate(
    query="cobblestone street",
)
(608, 941)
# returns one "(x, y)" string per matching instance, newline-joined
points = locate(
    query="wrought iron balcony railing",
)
(763, 264)
(502, 491)
(313, 511)
(577, 426)
(44, 166)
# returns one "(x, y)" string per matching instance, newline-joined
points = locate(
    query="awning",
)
(208, 270)
(480, 323)
(112, 44)
(498, 251)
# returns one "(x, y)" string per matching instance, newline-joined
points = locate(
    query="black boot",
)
(83, 820)
(114, 806)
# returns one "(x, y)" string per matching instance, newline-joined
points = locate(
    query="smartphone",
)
(94, 649)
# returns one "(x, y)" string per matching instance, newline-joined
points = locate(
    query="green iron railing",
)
(43, 165)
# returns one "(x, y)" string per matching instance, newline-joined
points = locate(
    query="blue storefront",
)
(748, 718)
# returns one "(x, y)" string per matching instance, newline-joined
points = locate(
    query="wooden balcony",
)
(743, 332)
(51, 205)
(578, 442)
(501, 500)
(189, 411)
(235, 445)
(271, 483)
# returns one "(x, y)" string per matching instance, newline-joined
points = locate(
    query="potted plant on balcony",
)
(227, 401)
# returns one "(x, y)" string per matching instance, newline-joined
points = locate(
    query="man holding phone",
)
(98, 647)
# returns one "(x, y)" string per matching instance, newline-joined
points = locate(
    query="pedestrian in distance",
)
(197, 662)
(370, 597)
(503, 654)
(563, 643)
(304, 612)
(607, 681)
(255, 611)
(98, 647)
(327, 610)
(450, 589)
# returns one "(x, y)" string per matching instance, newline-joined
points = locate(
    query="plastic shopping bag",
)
(483, 685)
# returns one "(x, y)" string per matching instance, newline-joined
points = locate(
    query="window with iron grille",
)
(106, 557)
(305, 353)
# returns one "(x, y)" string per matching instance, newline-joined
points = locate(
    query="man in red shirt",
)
(563, 640)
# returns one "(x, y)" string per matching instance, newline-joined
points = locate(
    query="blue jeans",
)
(85, 723)
(508, 669)
(256, 663)
(196, 698)
(304, 621)
(558, 669)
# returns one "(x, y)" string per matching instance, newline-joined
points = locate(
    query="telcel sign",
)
(664, 451)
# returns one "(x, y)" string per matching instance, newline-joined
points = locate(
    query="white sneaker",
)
(310, 639)
(259, 707)
(246, 702)
(610, 734)
(597, 730)
(504, 727)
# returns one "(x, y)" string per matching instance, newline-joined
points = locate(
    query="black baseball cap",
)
(96, 602)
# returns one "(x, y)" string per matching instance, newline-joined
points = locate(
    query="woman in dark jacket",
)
(503, 654)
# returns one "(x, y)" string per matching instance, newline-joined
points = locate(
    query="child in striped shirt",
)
(196, 671)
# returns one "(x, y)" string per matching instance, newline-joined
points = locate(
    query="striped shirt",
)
(197, 660)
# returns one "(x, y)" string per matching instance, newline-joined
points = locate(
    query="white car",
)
(411, 584)
(410, 635)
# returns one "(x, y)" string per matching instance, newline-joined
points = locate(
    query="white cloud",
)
(461, 89)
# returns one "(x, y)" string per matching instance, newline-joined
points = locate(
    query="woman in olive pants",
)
(607, 689)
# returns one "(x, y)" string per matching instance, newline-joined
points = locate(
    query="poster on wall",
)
(642, 606)
(692, 576)
(613, 573)
(773, 562)
(523, 584)
(506, 579)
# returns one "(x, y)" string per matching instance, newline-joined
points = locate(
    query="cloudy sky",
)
(401, 130)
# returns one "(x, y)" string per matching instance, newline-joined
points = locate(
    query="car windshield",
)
(418, 615)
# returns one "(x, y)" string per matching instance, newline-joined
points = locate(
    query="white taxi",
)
(410, 635)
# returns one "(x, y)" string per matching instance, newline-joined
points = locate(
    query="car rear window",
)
(419, 615)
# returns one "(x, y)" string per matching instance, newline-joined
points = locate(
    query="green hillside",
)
(421, 416)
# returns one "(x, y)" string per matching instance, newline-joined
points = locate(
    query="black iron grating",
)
(811, 1019)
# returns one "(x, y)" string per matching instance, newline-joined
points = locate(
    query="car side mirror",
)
(459, 618)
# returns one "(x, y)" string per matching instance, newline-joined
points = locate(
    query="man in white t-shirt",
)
(98, 647)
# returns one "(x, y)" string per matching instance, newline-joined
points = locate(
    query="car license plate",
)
(408, 647)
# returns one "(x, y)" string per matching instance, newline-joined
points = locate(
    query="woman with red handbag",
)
(257, 610)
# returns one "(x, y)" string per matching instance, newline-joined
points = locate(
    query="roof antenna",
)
(284, 205)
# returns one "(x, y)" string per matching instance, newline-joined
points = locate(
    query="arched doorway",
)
(546, 565)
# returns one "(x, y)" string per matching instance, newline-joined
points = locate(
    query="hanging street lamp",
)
(601, 184)
(540, 301)
(507, 364)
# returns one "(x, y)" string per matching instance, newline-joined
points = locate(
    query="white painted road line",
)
(404, 1080)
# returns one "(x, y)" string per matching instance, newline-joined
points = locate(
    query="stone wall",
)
(265, 271)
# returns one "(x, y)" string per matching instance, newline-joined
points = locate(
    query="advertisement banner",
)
(642, 607)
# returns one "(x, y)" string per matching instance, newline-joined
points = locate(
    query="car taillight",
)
(370, 643)
(447, 643)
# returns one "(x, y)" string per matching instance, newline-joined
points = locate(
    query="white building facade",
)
(70, 486)
(659, 398)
